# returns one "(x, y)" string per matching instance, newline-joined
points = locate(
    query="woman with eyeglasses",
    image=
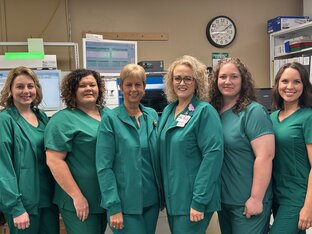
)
(246, 192)
(191, 148)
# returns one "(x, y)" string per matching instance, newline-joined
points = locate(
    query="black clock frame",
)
(212, 42)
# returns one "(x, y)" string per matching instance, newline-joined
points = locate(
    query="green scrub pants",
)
(144, 223)
(285, 220)
(232, 220)
(181, 224)
(95, 223)
(45, 222)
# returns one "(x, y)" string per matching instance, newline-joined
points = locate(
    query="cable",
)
(51, 18)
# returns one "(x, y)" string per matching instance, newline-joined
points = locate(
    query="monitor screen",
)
(154, 95)
(264, 97)
(50, 85)
(3, 76)
(108, 57)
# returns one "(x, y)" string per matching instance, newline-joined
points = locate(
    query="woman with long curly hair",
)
(70, 139)
(191, 148)
(246, 193)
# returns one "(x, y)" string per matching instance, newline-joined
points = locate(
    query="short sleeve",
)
(307, 128)
(257, 122)
(59, 133)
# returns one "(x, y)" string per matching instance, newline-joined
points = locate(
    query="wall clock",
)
(221, 31)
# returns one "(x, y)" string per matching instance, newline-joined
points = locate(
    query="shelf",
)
(58, 44)
(277, 39)
(293, 30)
(299, 52)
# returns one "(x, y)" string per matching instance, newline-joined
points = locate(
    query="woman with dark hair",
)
(246, 193)
(26, 184)
(70, 139)
(292, 176)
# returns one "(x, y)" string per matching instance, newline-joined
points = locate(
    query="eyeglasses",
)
(186, 79)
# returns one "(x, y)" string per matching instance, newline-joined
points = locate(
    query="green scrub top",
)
(191, 158)
(150, 194)
(25, 181)
(120, 161)
(75, 132)
(291, 166)
(46, 179)
(237, 170)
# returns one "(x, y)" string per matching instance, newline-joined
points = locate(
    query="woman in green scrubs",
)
(26, 184)
(70, 139)
(292, 175)
(191, 148)
(246, 192)
(127, 160)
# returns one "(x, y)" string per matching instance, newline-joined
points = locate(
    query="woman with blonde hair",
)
(127, 159)
(26, 183)
(191, 148)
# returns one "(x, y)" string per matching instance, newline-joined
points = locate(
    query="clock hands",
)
(218, 32)
(226, 28)
(222, 31)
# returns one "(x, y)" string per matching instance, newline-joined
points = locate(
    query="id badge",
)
(182, 120)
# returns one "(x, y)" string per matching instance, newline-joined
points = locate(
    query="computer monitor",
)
(50, 85)
(108, 57)
(264, 97)
(3, 76)
(154, 95)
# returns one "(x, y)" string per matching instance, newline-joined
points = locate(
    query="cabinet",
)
(278, 54)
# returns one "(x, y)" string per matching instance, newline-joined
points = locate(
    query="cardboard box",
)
(284, 22)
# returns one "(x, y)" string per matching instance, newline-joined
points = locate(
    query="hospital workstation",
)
(104, 56)
(54, 38)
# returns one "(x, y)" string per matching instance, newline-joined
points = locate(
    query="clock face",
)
(221, 31)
